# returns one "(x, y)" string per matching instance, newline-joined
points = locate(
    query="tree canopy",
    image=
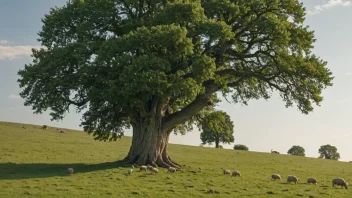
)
(217, 127)
(156, 64)
(329, 152)
(296, 150)
(241, 147)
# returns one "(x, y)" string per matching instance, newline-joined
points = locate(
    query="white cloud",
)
(328, 5)
(10, 52)
(14, 97)
(348, 73)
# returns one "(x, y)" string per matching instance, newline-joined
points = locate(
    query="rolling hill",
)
(34, 162)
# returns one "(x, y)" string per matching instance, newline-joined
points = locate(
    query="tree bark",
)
(216, 143)
(150, 144)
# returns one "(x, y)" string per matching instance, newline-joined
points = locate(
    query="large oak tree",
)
(155, 64)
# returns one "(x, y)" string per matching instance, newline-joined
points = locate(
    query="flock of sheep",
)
(291, 178)
(45, 127)
(150, 168)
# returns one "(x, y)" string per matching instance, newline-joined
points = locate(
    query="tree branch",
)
(192, 109)
(78, 104)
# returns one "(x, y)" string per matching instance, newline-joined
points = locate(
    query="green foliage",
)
(241, 147)
(123, 62)
(329, 152)
(33, 163)
(217, 127)
(296, 150)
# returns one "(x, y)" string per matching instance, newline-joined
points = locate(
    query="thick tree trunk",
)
(149, 145)
(217, 144)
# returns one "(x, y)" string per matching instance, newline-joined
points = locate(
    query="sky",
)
(262, 125)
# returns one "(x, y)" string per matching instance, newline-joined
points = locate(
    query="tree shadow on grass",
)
(13, 171)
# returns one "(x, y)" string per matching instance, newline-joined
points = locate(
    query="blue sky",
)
(262, 125)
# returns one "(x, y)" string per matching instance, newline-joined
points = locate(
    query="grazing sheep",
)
(226, 171)
(70, 171)
(276, 152)
(143, 168)
(312, 180)
(63, 131)
(44, 127)
(171, 170)
(275, 177)
(236, 173)
(153, 170)
(292, 178)
(340, 182)
(130, 171)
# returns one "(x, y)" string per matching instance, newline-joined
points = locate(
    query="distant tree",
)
(296, 150)
(329, 152)
(240, 147)
(217, 127)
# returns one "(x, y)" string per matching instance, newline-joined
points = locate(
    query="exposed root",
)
(160, 162)
(174, 162)
(171, 164)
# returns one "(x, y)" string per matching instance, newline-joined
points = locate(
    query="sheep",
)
(70, 171)
(130, 171)
(276, 152)
(226, 171)
(171, 170)
(340, 182)
(153, 170)
(143, 168)
(275, 177)
(63, 131)
(292, 178)
(236, 173)
(312, 180)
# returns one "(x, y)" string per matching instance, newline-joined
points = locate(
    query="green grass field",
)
(33, 162)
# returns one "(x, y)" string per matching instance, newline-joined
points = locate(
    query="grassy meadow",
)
(33, 163)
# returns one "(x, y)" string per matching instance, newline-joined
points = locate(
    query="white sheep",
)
(312, 180)
(340, 182)
(171, 170)
(226, 171)
(70, 171)
(275, 177)
(153, 170)
(130, 171)
(292, 178)
(236, 173)
(142, 168)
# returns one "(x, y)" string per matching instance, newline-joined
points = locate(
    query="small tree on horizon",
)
(241, 147)
(329, 152)
(217, 127)
(296, 150)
